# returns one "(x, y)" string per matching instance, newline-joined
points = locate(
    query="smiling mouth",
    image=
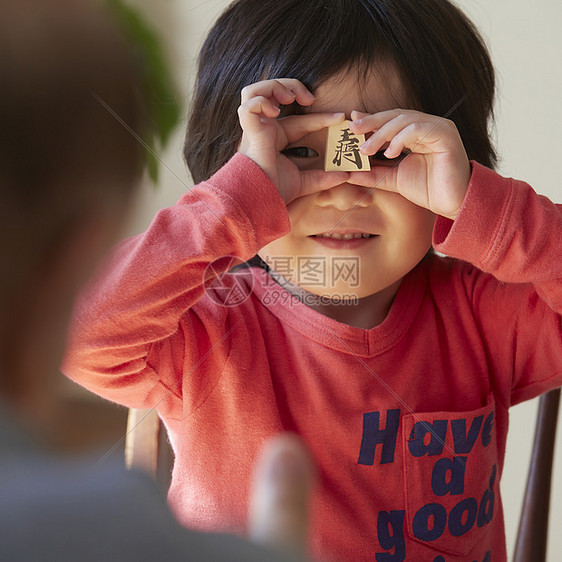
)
(339, 236)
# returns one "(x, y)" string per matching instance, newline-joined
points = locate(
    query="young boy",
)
(402, 392)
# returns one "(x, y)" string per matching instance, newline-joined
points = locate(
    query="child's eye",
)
(300, 152)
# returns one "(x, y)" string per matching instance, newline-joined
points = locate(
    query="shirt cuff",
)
(255, 195)
(472, 235)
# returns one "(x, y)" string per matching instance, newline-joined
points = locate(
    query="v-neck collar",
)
(337, 335)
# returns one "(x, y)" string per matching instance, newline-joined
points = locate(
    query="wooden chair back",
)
(147, 447)
(532, 536)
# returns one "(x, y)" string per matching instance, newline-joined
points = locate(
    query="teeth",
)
(348, 236)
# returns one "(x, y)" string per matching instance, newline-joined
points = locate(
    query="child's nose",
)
(345, 196)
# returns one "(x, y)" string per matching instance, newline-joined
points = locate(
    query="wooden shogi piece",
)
(342, 150)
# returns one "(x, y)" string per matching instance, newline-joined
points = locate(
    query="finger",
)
(271, 89)
(297, 126)
(356, 115)
(374, 121)
(259, 106)
(380, 177)
(284, 90)
(313, 181)
(252, 115)
(278, 516)
(386, 133)
(404, 131)
(412, 136)
(421, 138)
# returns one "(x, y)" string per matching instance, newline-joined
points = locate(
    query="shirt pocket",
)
(450, 477)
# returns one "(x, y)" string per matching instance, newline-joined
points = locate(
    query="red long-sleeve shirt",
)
(406, 421)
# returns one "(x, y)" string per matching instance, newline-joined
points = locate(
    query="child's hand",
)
(265, 136)
(435, 173)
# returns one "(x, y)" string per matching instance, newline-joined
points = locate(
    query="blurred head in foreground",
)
(68, 168)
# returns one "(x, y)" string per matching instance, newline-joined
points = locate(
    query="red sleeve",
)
(504, 228)
(152, 280)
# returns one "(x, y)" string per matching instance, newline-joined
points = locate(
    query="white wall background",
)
(526, 46)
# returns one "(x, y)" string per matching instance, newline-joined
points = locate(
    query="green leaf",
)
(159, 93)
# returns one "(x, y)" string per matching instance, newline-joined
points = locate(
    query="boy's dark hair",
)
(441, 59)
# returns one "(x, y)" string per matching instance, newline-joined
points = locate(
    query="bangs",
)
(439, 58)
(274, 49)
